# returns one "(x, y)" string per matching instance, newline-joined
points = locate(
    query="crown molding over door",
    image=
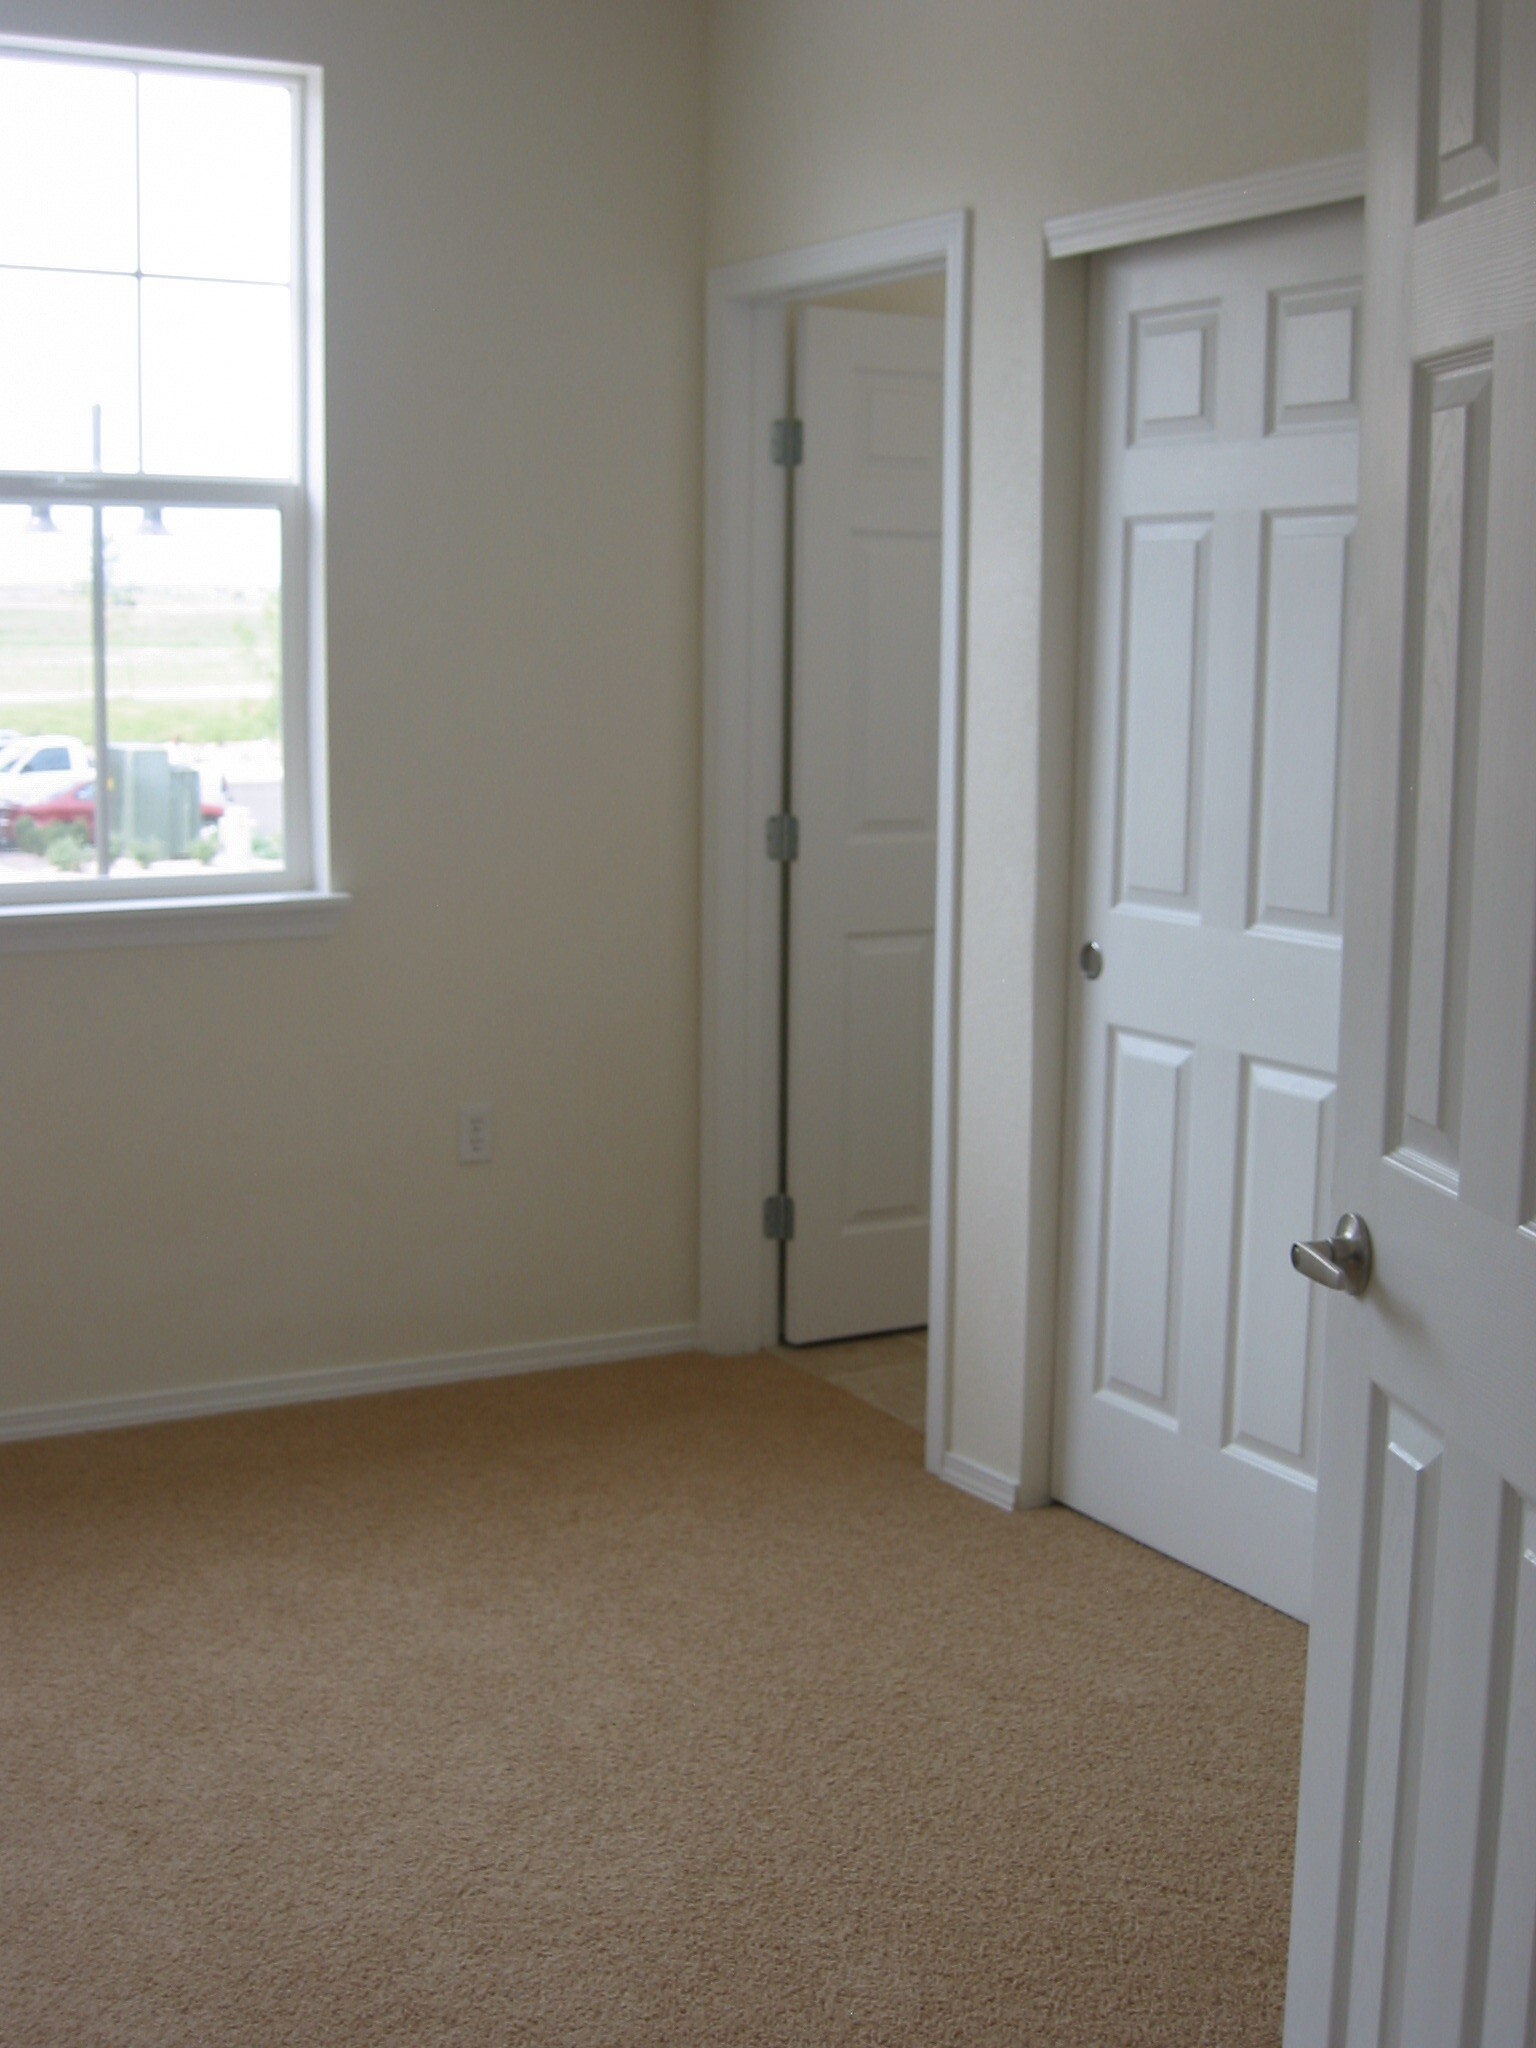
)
(1291, 190)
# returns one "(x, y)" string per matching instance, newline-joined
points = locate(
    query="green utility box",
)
(186, 810)
(150, 803)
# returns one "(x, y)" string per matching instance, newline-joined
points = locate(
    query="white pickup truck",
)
(34, 768)
(39, 765)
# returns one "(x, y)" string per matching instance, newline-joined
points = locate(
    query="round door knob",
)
(1091, 960)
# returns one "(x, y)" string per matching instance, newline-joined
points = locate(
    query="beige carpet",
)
(661, 1703)
(890, 1373)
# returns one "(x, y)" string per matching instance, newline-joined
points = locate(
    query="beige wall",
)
(831, 116)
(235, 1160)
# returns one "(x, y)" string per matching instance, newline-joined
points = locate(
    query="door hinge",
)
(779, 1218)
(788, 443)
(784, 836)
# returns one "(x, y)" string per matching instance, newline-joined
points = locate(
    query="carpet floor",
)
(666, 1703)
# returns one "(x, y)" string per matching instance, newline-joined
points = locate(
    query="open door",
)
(867, 580)
(1414, 1916)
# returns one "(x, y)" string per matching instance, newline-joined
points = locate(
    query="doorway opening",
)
(828, 996)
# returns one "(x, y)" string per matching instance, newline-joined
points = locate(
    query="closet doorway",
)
(832, 722)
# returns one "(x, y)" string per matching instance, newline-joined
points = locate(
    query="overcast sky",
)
(145, 266)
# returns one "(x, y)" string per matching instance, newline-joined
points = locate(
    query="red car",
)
(73, 806)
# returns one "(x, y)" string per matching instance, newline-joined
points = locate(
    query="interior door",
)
(864, 753)
(1204, 1045)
(1414, 1917)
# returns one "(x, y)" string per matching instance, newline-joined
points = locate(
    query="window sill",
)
(172, 921)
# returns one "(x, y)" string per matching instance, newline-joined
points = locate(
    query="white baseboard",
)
(337, 1382)
(980, 1480)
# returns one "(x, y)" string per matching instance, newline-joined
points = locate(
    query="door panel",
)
(1146, 1170)
(1429, 1050)
(864, 756)
(1414, 1911)
(1167, 586)
(1314, 357)
(894, 737)
(889, 997)
(1300, 700)
(1286, 1169)
(1227, 381)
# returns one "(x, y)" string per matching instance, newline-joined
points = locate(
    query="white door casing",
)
(1414, 1912)
(1222, 492)
(865, 783)
(746, 351)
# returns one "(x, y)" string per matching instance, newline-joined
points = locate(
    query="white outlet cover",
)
(474, 1133)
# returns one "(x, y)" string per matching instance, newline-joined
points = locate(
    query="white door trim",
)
(746, 359)
(1237, 200)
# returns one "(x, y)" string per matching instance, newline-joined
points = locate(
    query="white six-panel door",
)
(865, 693)
(1201, 1113)
(1414, 1919)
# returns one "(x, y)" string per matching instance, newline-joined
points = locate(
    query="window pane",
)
(215, 167)
(66, 165)
(67, 343)
(218, 379)
(194, 690)
(47, 812)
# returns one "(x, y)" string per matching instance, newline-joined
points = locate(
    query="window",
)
(160, 654)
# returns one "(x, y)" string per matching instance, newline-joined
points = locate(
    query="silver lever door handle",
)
(1342, 1261)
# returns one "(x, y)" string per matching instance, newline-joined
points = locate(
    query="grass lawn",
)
(199, 673)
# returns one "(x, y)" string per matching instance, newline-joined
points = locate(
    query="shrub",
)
(66, 847)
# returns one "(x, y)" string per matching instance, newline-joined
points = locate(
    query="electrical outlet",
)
(474, 1133)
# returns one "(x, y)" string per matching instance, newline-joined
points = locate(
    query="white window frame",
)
(299, 900)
